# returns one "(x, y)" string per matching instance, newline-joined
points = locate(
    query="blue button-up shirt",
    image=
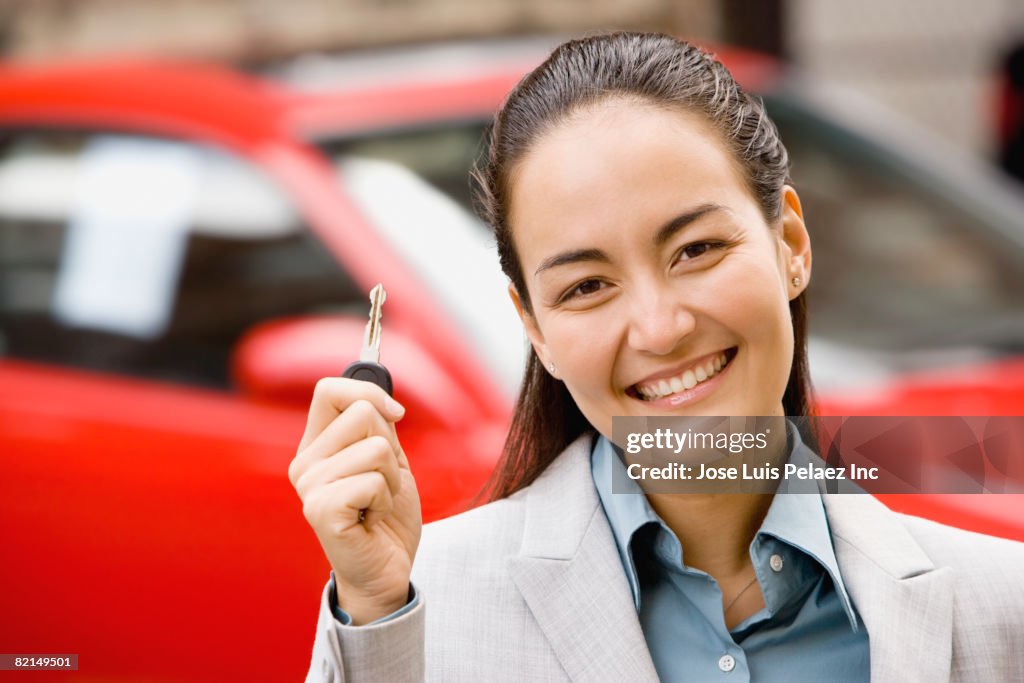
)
(808, 630)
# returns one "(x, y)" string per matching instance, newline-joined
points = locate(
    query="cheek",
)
(585, 349)
(750, 301)
(583, 346)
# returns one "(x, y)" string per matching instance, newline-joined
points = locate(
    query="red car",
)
(177, 270)
(183, 251)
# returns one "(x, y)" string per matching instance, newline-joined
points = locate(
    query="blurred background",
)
(938, 63)
(196, 197)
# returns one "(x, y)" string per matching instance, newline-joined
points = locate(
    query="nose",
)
(659, 321)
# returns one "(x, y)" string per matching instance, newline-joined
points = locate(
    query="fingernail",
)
(394, 407)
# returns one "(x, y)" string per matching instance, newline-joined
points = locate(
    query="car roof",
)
(192, 99)
(335, 95)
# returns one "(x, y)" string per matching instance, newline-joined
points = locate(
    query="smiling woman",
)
(584, 138)
(661, 259)
(657, 257)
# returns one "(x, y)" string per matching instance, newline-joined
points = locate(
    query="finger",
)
(372, 454)
(359, 421)
(333, 395)
(335, 507)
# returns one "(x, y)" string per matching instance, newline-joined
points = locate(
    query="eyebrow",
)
(664, 234)
(667, 231)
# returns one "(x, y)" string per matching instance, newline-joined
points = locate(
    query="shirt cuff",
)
(346, 619)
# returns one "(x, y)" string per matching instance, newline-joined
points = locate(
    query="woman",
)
(658, 260)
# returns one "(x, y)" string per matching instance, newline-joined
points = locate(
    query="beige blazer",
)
(531, 588)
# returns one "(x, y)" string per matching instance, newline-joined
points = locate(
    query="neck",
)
(715, 530)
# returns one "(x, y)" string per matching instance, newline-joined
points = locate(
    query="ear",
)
(533, 332)
(795, 244)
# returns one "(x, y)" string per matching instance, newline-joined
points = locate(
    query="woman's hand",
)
(349, 460)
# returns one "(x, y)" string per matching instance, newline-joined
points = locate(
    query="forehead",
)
(621, 163)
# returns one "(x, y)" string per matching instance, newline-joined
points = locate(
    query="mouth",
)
(685, 385)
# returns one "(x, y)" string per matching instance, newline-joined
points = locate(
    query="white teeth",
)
(687, 380)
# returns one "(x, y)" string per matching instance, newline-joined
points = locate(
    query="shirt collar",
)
(796, 518)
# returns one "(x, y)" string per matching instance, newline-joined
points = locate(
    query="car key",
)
(368, 367)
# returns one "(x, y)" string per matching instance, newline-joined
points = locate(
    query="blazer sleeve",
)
(390, 650)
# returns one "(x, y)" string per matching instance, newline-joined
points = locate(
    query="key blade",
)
(377, 297)
(371, 339)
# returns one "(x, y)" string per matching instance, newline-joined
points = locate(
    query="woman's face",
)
(657, 287)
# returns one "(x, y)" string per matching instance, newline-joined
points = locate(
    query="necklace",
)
(737, 596)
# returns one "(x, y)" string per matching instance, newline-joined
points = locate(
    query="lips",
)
(688, 378)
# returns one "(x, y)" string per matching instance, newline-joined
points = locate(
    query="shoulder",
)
(982, 564)
(463, 570)
(907, 545)
(546, 518)
(958, 545)
(988, 596)
(498, 523)
(875, 545)
(475, 541)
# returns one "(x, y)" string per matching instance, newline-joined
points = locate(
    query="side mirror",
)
(281, 361)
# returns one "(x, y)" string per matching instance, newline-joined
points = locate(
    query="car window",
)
(450, 249)
(441, 154)
(147, 257)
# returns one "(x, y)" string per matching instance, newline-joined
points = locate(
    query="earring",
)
(551, 368)
(795, 281)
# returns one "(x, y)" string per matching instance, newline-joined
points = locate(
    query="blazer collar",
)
(571, 577)
(906, 602)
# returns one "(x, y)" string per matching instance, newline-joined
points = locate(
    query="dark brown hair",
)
(648, 67)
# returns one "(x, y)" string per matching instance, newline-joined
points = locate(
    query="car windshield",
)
(414, 188)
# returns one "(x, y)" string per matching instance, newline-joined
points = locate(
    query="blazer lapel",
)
(905, 601)
(570, 576)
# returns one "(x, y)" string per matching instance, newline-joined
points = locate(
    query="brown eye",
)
(698, 249)
(584, 288)
(695, 250)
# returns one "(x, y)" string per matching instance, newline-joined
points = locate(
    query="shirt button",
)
(726, 663)
(775, 562)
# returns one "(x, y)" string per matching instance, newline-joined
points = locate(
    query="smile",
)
(687, 379)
